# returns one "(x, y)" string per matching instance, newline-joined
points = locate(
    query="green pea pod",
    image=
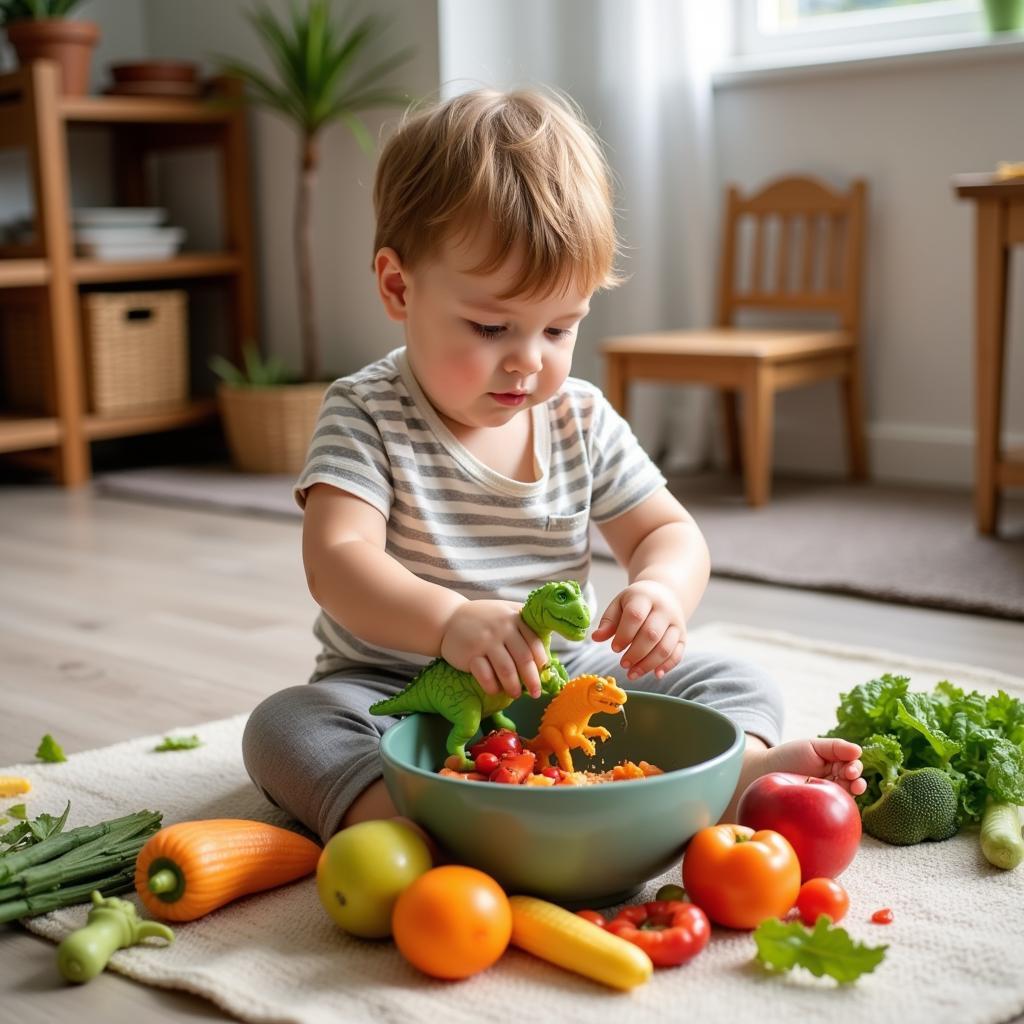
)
(112, 924)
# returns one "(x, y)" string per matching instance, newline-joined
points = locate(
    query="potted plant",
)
(41, 30)
(322, 76)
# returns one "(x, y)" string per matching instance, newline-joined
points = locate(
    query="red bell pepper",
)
(670, 932)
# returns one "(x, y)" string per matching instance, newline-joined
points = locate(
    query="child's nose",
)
(526, 358)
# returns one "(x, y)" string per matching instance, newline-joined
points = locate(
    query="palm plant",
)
(320, 79)
(28, 10)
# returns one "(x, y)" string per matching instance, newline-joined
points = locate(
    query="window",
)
(770, 26)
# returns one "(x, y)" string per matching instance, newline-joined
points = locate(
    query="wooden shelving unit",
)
(36, 117)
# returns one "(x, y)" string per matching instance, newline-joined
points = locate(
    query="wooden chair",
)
(815, 264)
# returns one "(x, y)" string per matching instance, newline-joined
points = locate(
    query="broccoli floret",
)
(919, 805)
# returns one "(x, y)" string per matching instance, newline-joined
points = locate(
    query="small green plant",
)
(33, 10)
(321, 75)
(256, 372)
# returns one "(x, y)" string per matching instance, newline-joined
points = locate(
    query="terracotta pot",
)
(68, 43)
(155, 71)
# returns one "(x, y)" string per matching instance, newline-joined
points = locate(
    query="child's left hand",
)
(646, 622)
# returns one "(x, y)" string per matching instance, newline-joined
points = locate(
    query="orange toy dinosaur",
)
(565, 724)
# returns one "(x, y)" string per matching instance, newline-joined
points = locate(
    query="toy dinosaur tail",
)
(404, 703)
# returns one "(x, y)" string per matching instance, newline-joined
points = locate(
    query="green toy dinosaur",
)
(444, 690)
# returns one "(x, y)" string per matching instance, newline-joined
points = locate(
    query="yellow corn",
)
(565, 939)
(13, 785)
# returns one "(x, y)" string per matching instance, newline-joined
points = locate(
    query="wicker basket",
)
(28, 384)
(269, 429)
(136, 350)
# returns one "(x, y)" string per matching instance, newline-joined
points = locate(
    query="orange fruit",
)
(452, 921)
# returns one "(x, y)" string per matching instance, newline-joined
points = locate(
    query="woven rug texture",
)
(956, 946)
(907, 545)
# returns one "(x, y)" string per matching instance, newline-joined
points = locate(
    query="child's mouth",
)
(509, 397)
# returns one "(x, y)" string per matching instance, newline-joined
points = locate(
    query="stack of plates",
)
(125, 233)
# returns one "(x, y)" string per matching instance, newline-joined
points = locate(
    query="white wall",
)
(908, 131)
(353, 328)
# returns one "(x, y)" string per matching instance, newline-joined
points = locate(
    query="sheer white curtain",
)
(641, 72)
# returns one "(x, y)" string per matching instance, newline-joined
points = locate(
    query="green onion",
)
(44, 902)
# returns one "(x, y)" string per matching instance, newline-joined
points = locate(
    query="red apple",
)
(817, 816)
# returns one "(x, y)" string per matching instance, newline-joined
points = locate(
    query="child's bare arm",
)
(360, 586)
(667, 559)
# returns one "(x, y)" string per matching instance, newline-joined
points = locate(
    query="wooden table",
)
(1000, 225)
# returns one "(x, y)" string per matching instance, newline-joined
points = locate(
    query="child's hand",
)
(648, 623)
(490, 640)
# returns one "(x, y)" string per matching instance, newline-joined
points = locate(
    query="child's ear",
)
(391, 283)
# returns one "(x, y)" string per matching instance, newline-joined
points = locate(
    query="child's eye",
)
(558, 333)
(486, 330)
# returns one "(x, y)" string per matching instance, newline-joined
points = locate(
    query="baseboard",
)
(899, 453)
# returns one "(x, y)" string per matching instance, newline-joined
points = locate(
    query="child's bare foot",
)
(820, 758)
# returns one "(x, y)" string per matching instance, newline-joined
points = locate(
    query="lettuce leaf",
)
(825, 949)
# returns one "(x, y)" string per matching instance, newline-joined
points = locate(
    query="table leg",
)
(990, 332)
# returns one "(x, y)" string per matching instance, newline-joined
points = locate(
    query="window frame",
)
(754, 36)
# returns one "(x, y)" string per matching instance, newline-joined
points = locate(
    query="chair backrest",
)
(805, 250)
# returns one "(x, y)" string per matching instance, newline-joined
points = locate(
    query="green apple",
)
(363, 869)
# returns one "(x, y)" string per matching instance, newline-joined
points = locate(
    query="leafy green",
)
(50, 750)
(179, 743)
(256, 372)
(19, 811)
(977, 739)
(30, 832)
(825, 949)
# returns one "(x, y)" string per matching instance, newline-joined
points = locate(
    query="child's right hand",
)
(490, 640)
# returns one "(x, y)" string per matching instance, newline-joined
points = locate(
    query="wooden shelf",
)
(23, 433)
(195, 264)
(143, 110)
(23, 273)
(35, 116)
(129, 424)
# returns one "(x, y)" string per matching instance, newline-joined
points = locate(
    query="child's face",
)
(479, 360)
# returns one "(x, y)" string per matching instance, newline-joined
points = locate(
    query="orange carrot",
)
(194, 867)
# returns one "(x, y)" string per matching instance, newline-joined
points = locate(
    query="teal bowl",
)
(574, 845)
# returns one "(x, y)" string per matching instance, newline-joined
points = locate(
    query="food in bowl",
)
(588, 845)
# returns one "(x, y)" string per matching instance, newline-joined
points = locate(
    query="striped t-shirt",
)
(456, 522)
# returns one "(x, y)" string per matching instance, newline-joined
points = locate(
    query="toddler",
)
(448, 479)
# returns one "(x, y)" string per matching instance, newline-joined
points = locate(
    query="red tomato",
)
(817, 816)
(739, 877)
(822, 896)
(593, 916)
(486, 762)
(883, 916)
(499, 742)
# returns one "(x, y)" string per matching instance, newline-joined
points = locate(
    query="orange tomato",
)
(452, 922)
(739, 877)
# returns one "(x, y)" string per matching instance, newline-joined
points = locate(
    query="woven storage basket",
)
(136, 350)
(269, 429)
(27, 362)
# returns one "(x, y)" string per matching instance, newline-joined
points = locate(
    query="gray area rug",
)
(908, 545)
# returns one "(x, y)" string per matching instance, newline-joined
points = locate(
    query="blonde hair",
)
(523, 160)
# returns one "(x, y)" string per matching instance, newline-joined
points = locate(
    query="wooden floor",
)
(119, 619)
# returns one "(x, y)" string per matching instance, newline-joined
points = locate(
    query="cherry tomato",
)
(883, 916)
(822, 896)
(739, 877)
(500, 741)
(452, 922)
(593, 916)
(486, 762)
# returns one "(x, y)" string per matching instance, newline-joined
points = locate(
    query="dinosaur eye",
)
(562, 595)
(599, 687)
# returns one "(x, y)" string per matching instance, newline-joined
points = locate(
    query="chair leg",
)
(616, 384)
(731, 418)
(853, 400)
(758, 425)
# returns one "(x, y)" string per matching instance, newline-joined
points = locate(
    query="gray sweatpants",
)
(312, 749)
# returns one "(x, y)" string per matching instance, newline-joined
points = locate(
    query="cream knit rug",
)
(956, 947)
